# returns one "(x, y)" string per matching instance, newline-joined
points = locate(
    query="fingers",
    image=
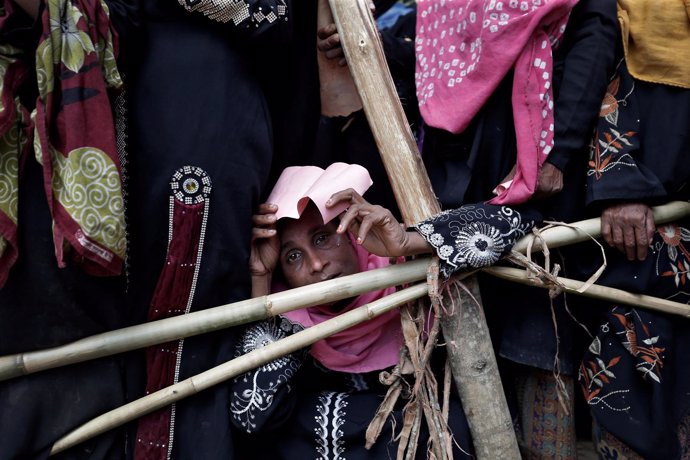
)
(642, 243)
(629, 241)
(629, 228)
(651, 226)
(345, 196)
(266, 215)
(549, 182)
(267, 208)
(329, 42)
(263, 233)
(264, 221)
(606, 228)
(617, 237)
(326, 31)
(351, 220)
(377, 217)
(644, 233)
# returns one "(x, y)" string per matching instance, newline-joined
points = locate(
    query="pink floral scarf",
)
(465, 48)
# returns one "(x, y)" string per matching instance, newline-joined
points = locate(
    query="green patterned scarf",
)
(73, 137)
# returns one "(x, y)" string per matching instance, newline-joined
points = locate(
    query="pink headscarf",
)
(369, 346)
(465, 48)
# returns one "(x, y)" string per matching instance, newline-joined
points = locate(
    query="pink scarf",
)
(369, 346)
(465, 48)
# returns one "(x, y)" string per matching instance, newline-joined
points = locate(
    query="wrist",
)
(261, 284)
(415, 244)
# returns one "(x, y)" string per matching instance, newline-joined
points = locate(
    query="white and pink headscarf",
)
(369, 346)
(465, 48)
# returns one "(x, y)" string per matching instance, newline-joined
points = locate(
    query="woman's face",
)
(311, 251)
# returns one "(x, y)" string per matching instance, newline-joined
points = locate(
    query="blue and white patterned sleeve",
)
(264, 398)
(475, 235)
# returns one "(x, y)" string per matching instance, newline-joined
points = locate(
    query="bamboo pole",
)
(473, 365)
(235, 367)
(131, 338)
(212, 319)
(595, 291)
(394, 139)
(563, 235)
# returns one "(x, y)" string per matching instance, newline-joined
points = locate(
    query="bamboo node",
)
(268, 305)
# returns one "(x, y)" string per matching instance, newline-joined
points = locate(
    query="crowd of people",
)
(139, 144)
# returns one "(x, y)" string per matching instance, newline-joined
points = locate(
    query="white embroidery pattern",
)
(481, 234)
(259, 397)
(329, 442)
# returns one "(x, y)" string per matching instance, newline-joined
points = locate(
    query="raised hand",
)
(375, 227)
(265, 247)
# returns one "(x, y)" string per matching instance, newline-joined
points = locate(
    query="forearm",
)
(261, 285)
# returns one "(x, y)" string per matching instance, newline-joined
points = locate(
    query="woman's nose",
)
(317, 262)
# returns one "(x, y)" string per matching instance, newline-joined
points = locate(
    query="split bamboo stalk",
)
(473, 365)
(563, 235)
(235, 367)
(364, 52)
(224, 316)
(212, 319)
(595, 291)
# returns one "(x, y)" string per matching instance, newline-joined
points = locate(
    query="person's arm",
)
(476, 235)
(375, 227)
(265, 249)
(264, 398)
(588, 59)
(472, 236)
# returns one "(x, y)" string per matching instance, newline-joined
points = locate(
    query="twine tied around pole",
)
(421, 328)
(548, 277)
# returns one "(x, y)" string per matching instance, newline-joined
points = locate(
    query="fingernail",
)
(271, 231)
(339, 229)
(328, 202)
(359, 240)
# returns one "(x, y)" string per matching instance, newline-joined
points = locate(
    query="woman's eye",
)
(321, 240)
(293, 256)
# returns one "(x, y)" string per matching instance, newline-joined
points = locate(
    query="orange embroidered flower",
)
(610, 103)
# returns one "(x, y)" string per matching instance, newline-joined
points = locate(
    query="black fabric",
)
(42, 306)
(641, 143)
(475, 235)
(634, 374)
(196, 99)
(294, 408)
(465, 168)
(304, 137)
